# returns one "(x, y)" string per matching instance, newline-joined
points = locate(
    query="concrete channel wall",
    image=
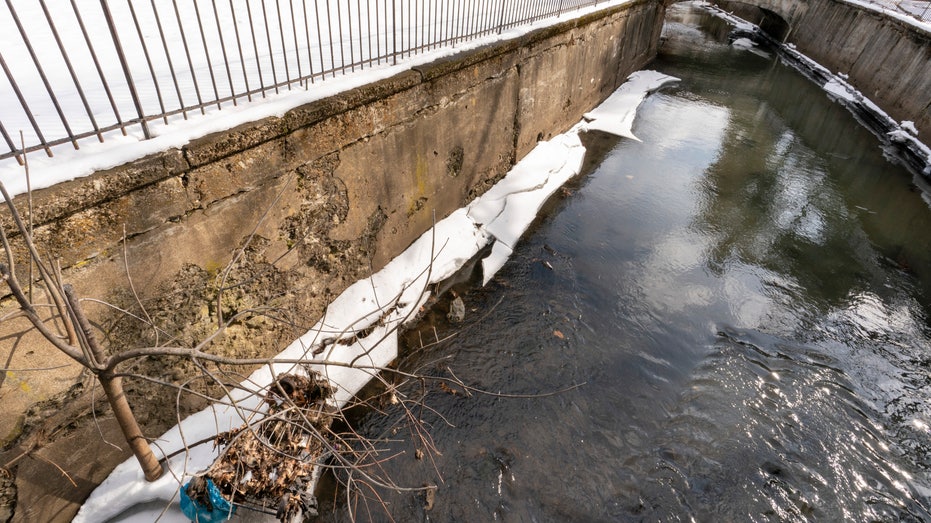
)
(311, 202)
(887, 59)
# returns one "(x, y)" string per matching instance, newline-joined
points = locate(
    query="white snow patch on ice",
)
(616, 114)
(743, 43)
(840, 89)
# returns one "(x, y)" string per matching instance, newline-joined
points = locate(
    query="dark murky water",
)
(746, 298)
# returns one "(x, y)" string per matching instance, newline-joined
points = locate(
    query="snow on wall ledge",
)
(501, 216)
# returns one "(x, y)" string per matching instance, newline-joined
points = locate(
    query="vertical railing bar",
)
(387, 53)
(377, 34)
(297, 45)
(11, 145)
(148, 61)
(242, 56)
(342, 50)
(481, 17)
(439, 23)
(226, 60)
(329, 28)
(434, 21)
(394, 31)
(310, 54)
(74, 76)
(359, 26)
(25, 106)
(319, 39)
(489, 16)
(514, 14)
(453, 19)
(457, 21)
(255, 48)
(48, 86)
(171, 66)
(268, 42)
(125, 65)
(501, 17)
(397, 24)
(422, 6)
(461, 22)
(410, 28)
(429, 24)
(473, 17)
(187, 54)
(103, 80)
(352, 52)
(559, 11)
(447, 21)
(203, 40)
(368, 18)
(284, 48)
(478, 27)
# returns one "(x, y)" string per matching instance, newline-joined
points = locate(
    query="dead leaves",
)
(272, 458)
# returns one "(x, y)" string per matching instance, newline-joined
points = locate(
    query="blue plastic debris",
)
(221, 509)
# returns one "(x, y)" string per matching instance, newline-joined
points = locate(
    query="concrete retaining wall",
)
(332, 190)
(887, 59)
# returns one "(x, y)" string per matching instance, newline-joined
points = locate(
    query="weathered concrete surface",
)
(886, 59)
(309, 203)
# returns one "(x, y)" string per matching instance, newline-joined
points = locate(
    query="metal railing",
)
(918, 9)
(82, 70)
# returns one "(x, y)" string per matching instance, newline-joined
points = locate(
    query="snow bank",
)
(68, 164)
(616, 114)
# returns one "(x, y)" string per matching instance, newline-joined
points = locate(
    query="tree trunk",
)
(131, 431)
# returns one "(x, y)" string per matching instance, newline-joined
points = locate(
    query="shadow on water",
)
(743, 298)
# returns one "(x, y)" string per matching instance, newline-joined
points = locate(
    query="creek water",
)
(741, 302)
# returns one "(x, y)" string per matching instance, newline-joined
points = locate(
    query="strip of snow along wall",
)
(371, 311)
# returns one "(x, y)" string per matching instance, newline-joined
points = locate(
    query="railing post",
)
(125, 66)
(501, 18)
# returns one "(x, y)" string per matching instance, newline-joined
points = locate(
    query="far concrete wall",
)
(332, 190)
(887, 59)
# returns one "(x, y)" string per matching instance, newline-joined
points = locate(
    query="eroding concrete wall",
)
(887, 59)
(309, 203)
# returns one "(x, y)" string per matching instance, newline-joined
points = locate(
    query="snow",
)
(384, 301)
(68, 163)
(616, 114)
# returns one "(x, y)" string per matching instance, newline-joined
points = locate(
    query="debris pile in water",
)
(274, 462)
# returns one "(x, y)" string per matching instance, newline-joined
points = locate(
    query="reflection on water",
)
(745, 296)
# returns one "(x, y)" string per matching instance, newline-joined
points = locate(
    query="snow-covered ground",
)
(210, 51)
(500, 216)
